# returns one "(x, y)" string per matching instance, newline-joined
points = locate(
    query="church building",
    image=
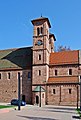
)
(47, 77)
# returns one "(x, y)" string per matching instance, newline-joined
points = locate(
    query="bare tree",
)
(62, 48)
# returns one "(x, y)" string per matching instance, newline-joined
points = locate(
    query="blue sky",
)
(16, 29)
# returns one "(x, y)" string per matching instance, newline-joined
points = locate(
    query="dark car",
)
(16, 102)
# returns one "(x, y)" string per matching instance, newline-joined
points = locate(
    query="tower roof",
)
(41, 18)
(52, 35)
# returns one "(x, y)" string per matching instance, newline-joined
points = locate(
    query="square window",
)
(70, 71)
(55, 72)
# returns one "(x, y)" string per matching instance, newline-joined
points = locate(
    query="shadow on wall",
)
(21, 57)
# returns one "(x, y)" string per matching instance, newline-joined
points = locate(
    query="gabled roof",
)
(64, 57)
(15, 58)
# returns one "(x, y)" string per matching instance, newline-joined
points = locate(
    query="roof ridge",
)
(15, 48)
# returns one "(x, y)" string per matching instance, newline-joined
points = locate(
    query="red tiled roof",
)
(64, 57)
(66, 79)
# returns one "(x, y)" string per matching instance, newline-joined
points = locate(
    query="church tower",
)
(40, 50)
(43, 45)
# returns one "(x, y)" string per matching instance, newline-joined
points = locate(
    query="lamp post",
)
(40, 97)
(80, 90)
(19, 91)
(77, 96)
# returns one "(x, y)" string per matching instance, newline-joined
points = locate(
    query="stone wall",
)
(64, 95)
(63, 70)
(9, 87)
(39, 79)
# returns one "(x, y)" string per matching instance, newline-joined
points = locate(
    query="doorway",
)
(37, 99)
(23, 98)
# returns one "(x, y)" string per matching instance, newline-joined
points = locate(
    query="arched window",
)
(56, 72)
(8, 75)
(41, 30)
(38, 31)
(70, 91)
(39, 57)
(43, 95)
(54, 92)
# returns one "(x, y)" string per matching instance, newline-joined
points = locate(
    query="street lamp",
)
(80, 90)
(40, 97)
(40, 90)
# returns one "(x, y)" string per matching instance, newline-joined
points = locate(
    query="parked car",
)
(16, 102)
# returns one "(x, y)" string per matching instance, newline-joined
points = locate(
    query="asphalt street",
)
(48, 112)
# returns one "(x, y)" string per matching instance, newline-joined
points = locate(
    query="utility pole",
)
(19, 93)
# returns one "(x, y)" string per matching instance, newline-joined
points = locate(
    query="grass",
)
(78, 111)
(6, 106)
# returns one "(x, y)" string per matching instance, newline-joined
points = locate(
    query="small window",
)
(56, 72)
(29, 74)
(39, 57)
(70, 71)
(54, 91)
(43, 95)
(0, 75)
(39, 72)
(41, 30)
(69, 91)
(8, 75)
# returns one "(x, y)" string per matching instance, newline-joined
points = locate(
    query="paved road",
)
(36, 113)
